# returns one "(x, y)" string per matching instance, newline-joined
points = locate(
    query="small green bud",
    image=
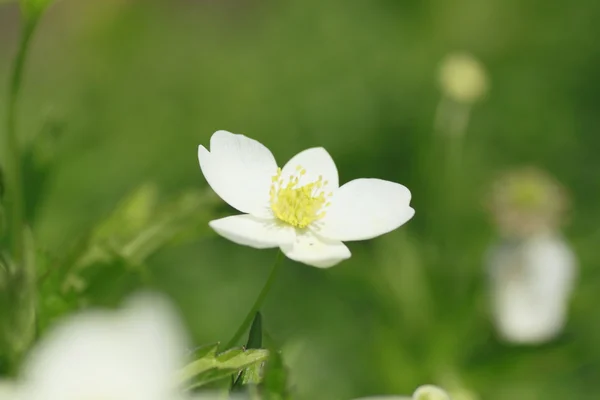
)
(430, 392)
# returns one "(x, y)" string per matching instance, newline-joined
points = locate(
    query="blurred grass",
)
(132, 87)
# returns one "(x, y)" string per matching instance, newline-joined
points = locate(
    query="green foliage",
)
(110, 260)
(253, 374)
(275, 381)
(209, 366)
(17, 304)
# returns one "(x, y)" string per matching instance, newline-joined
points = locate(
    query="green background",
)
(119, 94)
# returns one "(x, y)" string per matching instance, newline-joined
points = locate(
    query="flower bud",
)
(463, 78)
(430, 392)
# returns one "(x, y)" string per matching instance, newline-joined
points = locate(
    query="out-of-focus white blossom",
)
(463, 78)
(531, 283)
(219, 396)
(425, 392)
(392, 397)
(430, 392)
(300, 208)
(8, 391)
(532, 268)
(132, 354)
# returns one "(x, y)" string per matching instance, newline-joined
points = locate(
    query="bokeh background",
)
(119, 93)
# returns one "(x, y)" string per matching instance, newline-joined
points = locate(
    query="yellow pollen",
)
(297, 205)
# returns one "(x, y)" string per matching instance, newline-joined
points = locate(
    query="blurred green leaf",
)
(275, 379)
(39, 158)
(140, 226)
(251, 375)
(110, 260)
(210, 366)
(18, 302)
(2, 184)
(33, 9)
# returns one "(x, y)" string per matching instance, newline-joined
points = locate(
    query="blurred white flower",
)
(219, 396)
(425, 392)
(430, 392)
(531, 282)
(392, 397)
(300, 208)
(131, 354)
(8, 391)
(463, 78)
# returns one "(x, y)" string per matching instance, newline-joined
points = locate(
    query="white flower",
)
(8, 391)
(531, 282)
(391, 397)
(430, 392)
(425, 392)
(300, 208)
(131, 354)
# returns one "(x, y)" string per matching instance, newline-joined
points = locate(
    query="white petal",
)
(255, 232)
(239, 170)
(388, 397)
(430, 392)
(531, 284)
(365, 208)
(317, 162)
(8, 391)
(313, 250)
(108, 355)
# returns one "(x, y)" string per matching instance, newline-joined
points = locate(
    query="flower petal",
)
(255, 232)
(365, 208)
(313, 250)
(128, 354)
(317, 162)
(239, 170)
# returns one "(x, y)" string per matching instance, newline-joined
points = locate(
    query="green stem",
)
(258, 303)
(12, 154)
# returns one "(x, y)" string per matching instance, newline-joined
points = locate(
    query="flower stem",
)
(22, 296)
(258, 303)
(12, 154)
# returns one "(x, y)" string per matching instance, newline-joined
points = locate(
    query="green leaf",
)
(275, 378)
(255, 335)
(39, 157)
(210, 366)
(140, 226)
(17, 301)
(253, 374)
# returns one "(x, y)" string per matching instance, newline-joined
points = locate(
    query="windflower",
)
(531, 283)
(132, 354)
(532, 268)
(299, 208)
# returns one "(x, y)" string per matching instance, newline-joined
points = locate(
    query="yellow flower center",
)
(297, 205)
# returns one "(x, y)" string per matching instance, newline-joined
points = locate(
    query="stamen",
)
(298, 206)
